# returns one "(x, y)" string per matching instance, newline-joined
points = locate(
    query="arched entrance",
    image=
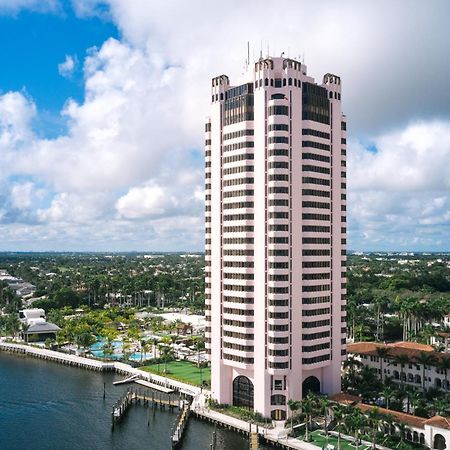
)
(311, 384)
(243, 392)
(439, 442)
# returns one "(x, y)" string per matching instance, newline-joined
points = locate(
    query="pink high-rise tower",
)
(275, 236)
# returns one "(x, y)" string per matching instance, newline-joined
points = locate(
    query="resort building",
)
(35, 326)
(441, 339)
(275, 157)
(433, 433)
(408, 363)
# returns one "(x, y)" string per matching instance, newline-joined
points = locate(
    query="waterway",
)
(48, 406)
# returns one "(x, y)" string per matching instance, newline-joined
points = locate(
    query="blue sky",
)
(102, 105)
(33, 46)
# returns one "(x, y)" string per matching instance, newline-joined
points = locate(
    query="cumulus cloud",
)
(389, 77)
(67, 67)
(22, 195)
(128, 174)
(16, 114)
(399, 195)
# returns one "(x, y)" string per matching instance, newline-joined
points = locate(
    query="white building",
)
(413, 373)
(433, 433)
(36, 325)
(275, 236)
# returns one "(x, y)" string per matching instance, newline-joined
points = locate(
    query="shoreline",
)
(273, 437)
(98, 366)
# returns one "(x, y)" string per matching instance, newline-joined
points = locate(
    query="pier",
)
(62, 358)
(146, 398)
(180, 424)
(166, 386)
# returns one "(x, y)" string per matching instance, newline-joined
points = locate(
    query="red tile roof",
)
(412, 349)
(439, 422)
(344, 398)
(407, 419)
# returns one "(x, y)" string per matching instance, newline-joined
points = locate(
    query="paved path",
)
(200, 402)
(277, 434)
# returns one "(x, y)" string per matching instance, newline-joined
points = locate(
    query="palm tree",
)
(375, 419)
(339, 415)
(324, 406)
(356, 422)
(414, 398)
(166, 352)
(293, 405)
(426, 359)
(444, 365)
(402, 359)
(387, 393)
(441, 406)
(25, 327)
(352, 365)
(402, 428)
(382, 353)
(307, 407)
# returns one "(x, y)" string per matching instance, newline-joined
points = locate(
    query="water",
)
(47, 406)
(117, 346)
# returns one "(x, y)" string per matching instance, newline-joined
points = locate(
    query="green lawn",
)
(182, 371)
(318, 438)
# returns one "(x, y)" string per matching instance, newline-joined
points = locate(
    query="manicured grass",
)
(318, 438)
(182, 371)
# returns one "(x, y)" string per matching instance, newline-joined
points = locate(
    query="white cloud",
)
(16, 114)
(67, 67)
(22, 195)
(146, 201)
(14, 6)
(399, 196)
(125, 174)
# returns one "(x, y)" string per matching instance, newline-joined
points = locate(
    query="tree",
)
(387, 393)
(293, 405)
(25, 327)
(85, 340)
(375, 419)
(357, 421)
(67, 297)
(402, 360)
(382, 353)
(425, 359)
(307, 407)
(339, 412)
(444, 365)
(324, 405)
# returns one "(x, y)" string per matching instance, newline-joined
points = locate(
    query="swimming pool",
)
(97, 350)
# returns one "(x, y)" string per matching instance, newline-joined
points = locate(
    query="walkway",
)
(199, 405)
(274, 435)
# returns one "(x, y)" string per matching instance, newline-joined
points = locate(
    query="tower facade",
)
(275, 224)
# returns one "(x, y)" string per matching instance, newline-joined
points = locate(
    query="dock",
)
(157, 387)
(180, 425)
(62, 358)
(126, 380)
(144, 397)
(274, 436)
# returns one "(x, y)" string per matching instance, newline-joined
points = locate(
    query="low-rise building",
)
(35, 326)
(402, 361)
(433, 433)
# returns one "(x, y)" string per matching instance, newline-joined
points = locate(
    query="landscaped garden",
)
(184, 371)
(319, 438)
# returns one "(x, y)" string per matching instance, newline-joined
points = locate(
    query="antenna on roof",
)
(248, 53)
